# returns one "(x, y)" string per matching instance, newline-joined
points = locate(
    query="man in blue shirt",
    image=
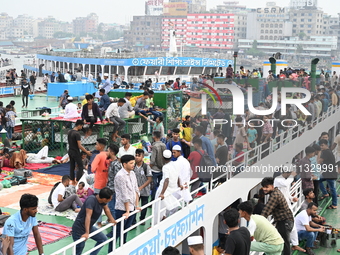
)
(104, 100)
(19, 226)
(206, 144)
(174, 141)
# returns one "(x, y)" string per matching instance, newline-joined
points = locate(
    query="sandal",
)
(332, 207)
(338, 250)
(323, 197)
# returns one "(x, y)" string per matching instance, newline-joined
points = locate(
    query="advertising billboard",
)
(175, 9)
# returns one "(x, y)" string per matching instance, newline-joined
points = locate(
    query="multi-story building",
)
(145, 33)
(315, 46)
(240, 18)
(6, 22)
(24, 22)
(307, 22)
(269, 23)
(87, 24)
(204, 30)
(48, 27)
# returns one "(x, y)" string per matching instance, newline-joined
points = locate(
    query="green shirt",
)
(265, 232)
(148, 101)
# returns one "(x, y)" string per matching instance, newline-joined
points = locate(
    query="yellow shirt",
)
(84, 102)
(187, 134)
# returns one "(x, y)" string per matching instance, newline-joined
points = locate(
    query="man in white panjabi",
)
(184, 173)
(168, 186)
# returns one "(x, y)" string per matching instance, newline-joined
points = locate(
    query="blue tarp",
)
(62, 169)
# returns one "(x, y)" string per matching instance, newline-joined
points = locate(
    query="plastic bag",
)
(6, 184)
(84, 180)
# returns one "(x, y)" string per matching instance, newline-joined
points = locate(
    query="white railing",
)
(228, 173)
(155, 205)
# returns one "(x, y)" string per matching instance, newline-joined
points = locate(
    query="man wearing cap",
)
(112, 116)
(106, 85)
(196, 246)
(104, 101)
(169, 184)
(184, 172)
(71, 110)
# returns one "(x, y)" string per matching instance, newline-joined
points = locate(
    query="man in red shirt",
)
(99, 167)
(195, 159)
(176, 84)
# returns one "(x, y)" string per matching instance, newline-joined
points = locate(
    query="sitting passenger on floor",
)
(307, 229)
(59, 203)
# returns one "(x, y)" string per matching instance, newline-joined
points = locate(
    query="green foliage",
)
(61, 34)
(254, 51)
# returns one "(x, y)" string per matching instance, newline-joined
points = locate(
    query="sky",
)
(115, 11)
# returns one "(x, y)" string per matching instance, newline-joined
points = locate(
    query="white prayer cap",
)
(167, 154)
(70, 98)
(106, 74)
(177, 148)
(193, 240)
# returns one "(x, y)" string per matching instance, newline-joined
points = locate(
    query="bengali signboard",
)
(175, 9)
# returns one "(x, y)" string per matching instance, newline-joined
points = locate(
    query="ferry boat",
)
(201, 217)
(134, 67)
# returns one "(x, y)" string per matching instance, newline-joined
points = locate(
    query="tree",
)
(254, 51)
(301, 35)
(61, 34)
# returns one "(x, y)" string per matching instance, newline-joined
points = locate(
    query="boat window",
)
(196, 70)
(150, 70)
(136, 70)
(121, 70)
(113, 69)
(168, 70)
(182, 70)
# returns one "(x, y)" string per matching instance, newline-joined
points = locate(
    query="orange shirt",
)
(100, 166)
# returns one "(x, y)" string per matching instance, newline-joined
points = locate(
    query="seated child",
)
(82, 192)
(85, 161)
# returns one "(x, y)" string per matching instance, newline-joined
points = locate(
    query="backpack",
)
(204, 173)
(50, 196)
(19, 180)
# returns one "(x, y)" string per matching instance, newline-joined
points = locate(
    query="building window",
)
(271, 25)
(261, 37)
(302, 20)
(275, 37)
(262, 25)
(271, 31)
(266, 31)
(267, 25)
(275, 31)
(266, 37)
(270, 37)
(280, 31)
(309, 20)
(262, 31)
(280, 26)
(276, 25)
(301, 25)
